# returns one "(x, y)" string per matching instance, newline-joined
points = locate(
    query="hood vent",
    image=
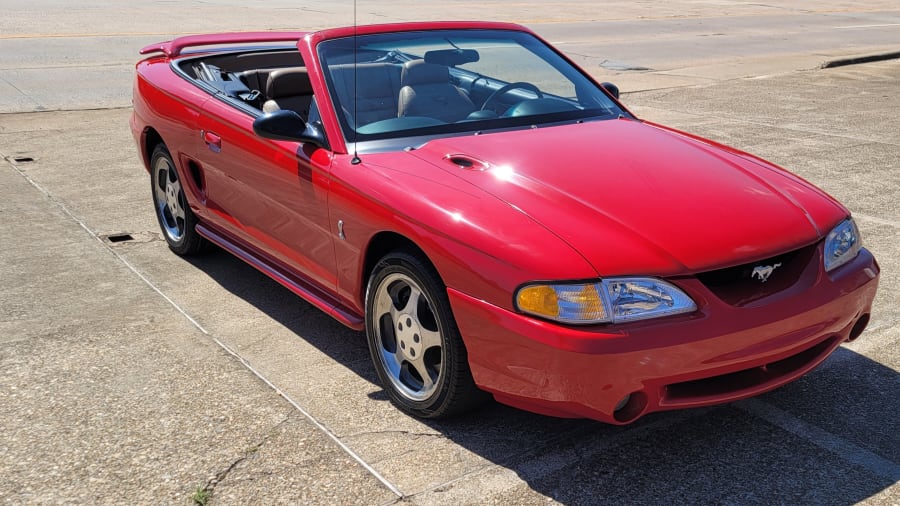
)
(467, 162)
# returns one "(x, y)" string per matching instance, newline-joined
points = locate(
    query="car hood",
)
(633, 198)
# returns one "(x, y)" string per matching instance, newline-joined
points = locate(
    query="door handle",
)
(212, 140)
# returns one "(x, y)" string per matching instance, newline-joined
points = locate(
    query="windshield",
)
(438, 82)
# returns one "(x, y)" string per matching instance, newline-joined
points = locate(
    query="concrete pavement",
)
(57, 55)
(129, 374)
(109, 393)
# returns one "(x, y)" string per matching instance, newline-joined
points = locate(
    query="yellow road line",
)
(85, 35)
(520, 21)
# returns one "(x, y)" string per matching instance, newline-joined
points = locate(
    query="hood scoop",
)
(467, 162)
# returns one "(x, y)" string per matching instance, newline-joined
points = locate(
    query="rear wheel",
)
(176, 220)
(418, 353)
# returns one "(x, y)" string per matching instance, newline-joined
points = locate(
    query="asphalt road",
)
(128, 374)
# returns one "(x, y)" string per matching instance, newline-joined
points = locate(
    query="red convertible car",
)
(496, 220)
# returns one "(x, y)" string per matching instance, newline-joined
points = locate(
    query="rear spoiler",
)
(174, 47)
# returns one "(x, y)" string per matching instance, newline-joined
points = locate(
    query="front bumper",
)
(617, 373)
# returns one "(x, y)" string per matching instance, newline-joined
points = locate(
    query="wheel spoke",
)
(176, 186)
(160, 188)
(413, 302)
(430, 338)
(419, 365)
(395, 313)
(383, 305)
(177, 212)
(175, 200)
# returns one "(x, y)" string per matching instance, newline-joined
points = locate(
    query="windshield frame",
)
(341, 51)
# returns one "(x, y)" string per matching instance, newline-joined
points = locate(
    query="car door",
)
(270, 195)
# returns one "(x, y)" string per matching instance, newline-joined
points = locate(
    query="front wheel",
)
(418, 353)
(176, 220)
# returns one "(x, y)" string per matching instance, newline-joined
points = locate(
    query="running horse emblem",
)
(763, 272)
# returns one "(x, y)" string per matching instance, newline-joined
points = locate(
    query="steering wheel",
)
(522, 85)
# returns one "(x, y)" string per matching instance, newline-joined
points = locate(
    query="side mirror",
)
(287, 125)
(612, 89)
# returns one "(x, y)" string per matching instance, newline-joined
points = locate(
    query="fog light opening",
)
(623, 402)
(630, 407)
(858, 327)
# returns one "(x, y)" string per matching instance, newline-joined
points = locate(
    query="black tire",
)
(176, 220)
(412, 334)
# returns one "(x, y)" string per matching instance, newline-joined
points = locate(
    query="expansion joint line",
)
(319, 425)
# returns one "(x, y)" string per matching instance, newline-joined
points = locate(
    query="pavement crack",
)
(394, 432)
(38, 105)
(213, 481)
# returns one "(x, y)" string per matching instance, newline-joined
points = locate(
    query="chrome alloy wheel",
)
(408, 337)
(170, 203)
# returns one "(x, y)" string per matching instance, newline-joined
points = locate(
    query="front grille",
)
(738, 286)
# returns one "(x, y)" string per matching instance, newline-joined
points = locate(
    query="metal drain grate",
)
(119, 238)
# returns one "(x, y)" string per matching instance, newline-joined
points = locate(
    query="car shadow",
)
(318, 329)
(829, 438)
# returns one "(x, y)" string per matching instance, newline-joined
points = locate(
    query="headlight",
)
(613, 300)
(842, 244)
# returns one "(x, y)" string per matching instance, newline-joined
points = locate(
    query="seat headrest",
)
(288, 83)
(420, 72)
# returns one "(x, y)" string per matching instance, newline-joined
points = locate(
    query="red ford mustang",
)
(496, 220)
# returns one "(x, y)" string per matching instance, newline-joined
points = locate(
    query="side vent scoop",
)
(467, 162)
